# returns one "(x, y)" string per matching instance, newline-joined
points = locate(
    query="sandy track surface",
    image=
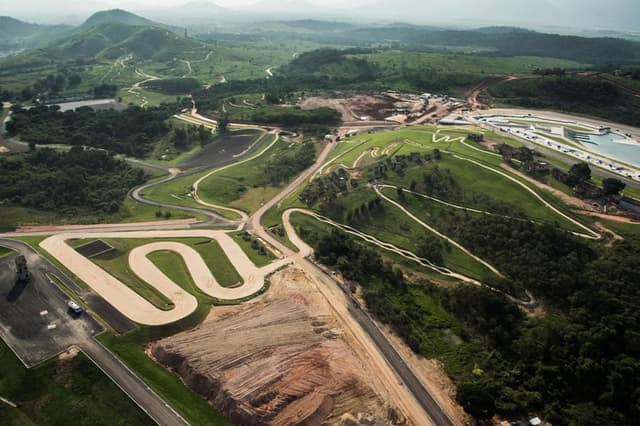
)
(107, 227)
(137, 308)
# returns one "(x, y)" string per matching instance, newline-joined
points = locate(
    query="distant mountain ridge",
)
(14, 32)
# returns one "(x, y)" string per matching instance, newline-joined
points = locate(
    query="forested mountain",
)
(16, 34)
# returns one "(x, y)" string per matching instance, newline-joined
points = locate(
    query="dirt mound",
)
(277, 361)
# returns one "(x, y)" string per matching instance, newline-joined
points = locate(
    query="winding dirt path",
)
(136, 307)
(438, 233)
(591, 234)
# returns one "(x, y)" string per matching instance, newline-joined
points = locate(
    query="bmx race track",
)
(136, 307)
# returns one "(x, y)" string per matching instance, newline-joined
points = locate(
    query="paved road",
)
(132, 385)
(213, 219)
(33, 342)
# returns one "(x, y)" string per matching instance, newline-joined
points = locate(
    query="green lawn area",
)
(4, 252)
(393, 226)
(178, 191)
(151, 98)
(244, 186)
(130, 212)
(258, 259)
(59, 392)
(117, 264)
(310, 229)
(476, 179)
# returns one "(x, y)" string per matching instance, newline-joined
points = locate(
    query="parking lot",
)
(34, 317)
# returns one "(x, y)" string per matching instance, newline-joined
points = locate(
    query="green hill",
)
(114, 33)
(89, 43)
(117, 16)
(151, 43)
(10, 27)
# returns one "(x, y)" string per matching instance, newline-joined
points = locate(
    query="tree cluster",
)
(79, 181)
(283, 167)
(132, 132)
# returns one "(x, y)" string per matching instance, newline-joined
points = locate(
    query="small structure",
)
(22, 271)
(475, 137)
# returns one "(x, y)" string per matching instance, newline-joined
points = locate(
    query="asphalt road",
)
(27, 313)
(132, 385)
(391, 355)
(214, 219)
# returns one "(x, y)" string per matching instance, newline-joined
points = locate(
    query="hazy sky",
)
(586, 14)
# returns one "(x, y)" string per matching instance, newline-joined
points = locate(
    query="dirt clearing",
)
(369, 107)
(284, 361)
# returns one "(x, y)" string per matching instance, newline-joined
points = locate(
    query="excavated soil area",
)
(279, 360)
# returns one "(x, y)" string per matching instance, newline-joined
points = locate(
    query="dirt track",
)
(134, 306)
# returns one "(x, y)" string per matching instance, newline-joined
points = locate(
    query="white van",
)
(74, 308)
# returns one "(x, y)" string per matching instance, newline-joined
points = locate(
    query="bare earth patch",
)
(279, 360)
(70, 354)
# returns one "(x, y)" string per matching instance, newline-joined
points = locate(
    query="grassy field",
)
(130, 212)
(471, 64)
(4, 252)
(310, 229)
(258, 259)
(469, 176)
(178, 191)
(60, 391)
(393, 226)
(244, 186)
(117, 264)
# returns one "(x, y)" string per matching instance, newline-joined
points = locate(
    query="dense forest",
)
(286, 166)
(132, 132)
(579, 364)
(78, 182)
(569, 93)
